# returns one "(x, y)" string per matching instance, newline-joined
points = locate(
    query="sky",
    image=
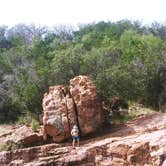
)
(74, 12)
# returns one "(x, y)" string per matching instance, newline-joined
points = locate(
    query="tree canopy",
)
(124, 59)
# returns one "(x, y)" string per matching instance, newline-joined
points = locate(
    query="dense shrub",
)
(123, 59)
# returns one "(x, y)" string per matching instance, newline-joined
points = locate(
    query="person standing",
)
(75, 136)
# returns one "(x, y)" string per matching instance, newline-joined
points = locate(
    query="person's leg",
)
(78, 142)
(73, 143)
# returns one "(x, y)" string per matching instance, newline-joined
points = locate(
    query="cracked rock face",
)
(138, 148)
(76, 104)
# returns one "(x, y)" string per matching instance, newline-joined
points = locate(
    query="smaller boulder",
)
(24, 135)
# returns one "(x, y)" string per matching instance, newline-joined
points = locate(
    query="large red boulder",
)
(88, 105)
(65, 106)
(58, 107)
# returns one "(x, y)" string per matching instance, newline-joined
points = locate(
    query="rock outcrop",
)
(143, 147)
(59, 108)
(88, 106)
(24, 135)
(65, 106)
(19, 135)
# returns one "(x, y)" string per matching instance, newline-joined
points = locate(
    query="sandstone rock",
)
(65, 106)
(60, 113)
(147, 148)
(23, 135)
(88, 105)
(27, 154)
(17, 136)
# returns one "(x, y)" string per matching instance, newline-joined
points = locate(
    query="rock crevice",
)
(76, 115)
(65, 106)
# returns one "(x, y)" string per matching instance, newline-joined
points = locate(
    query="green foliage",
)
(10, 146)
(122, 119)
(34, 125)
(123, 59)
(67, 64)
(9, 111)
(27, 118)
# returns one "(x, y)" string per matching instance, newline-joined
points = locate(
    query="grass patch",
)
(10, 146)
(35, 125)
(134, 112)
(30, 120)
(121, 119)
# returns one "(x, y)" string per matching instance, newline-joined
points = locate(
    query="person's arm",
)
(77, 132)
(72, 132)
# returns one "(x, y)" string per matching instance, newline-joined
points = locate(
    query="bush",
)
(34, 125)
(10, 146)
(29, 119)
(9, 110)
(135, 110)
(25, 119)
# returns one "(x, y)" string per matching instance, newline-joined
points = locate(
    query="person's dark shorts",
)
(76, 137)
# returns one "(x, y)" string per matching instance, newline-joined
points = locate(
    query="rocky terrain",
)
(141, 142)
